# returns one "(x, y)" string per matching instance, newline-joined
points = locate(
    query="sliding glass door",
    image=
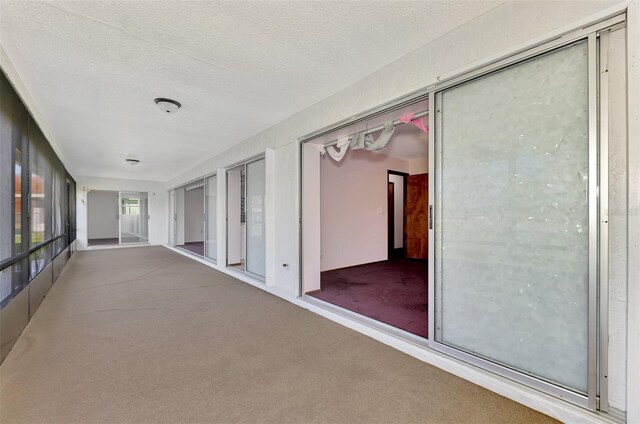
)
(514, 228)
(255, 190)
(211, 218)
(172, 217)
(134, 216)
(245, 217)
(187, 212)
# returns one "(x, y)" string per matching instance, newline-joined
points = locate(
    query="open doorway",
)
(372, 211)
(396, 195)
(103, 218)
(115, 217)
(190, 217)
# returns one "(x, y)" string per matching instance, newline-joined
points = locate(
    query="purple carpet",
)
(196, 247)
(393, 292)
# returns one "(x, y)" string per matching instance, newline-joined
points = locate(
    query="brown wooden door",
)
(417, 207)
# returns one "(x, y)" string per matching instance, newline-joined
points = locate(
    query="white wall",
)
(158, 205)
(398, 209)
(103, 211)
(234, 233)
(353, 198)
(194, 215)
(503, 30)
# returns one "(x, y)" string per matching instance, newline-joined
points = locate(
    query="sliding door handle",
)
(431, 217)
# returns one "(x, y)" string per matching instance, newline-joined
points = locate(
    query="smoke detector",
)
(132, 161)
(167, 105)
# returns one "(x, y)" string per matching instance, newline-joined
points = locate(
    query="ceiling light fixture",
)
(167, 105)
(132, 161)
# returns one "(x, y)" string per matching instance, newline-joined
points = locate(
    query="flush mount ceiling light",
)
(167, 105)
(132, 161)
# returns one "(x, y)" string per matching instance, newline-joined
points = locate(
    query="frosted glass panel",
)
(255, 217)
(211, 248)
(512, 217)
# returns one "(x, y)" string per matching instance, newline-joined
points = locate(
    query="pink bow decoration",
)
(419, 123)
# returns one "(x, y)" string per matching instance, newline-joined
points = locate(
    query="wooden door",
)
(417, 210)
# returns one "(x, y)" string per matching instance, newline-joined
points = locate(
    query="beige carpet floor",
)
(145, 335)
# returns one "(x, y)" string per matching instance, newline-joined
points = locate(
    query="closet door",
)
(255, 224)
(513, 235)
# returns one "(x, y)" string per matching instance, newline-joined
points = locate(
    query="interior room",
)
(373, 220)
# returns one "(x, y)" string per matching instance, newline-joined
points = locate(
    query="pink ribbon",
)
(419, 123)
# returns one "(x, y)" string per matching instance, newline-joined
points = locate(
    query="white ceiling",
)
(94, 68)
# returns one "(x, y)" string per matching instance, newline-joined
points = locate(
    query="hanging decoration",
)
(362, 140)
(342, 147)
(419, 123)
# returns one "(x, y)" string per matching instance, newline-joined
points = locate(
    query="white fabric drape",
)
(361, 140)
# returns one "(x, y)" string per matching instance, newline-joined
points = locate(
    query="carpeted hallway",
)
(147, 335)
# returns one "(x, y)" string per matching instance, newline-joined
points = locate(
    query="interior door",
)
(417, 233)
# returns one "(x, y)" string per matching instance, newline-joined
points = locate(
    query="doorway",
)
(396, 207)
(371, 210)
(187, 206)
(103, 218)
(246, 218)
(115, 217)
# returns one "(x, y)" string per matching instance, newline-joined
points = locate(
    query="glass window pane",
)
(134, 225)
(255, 226)
(211, 248)
(6, 179)
(512, 238)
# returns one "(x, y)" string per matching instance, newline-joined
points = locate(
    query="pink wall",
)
(354, 208)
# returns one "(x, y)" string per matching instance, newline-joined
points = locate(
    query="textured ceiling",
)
(94, 68)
